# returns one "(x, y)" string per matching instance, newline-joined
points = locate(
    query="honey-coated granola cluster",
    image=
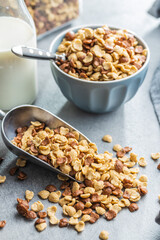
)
(108, 183)
(101, 54)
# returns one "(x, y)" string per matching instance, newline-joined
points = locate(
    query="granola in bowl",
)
(101, 54)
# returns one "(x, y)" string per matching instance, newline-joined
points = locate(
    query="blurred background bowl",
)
(97, 96)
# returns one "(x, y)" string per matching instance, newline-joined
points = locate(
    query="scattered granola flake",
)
(37, 206)
(41, 226)
(143, 178)
(142, 162)
(107, 138)
(159, 197)
(54, 196)
(21, 162)
(2, 224)
(104, 235)
(133, 157)
(29, 195)
(2, 179)
(44, 194)
(155, 156)
(117, 147)
(51, 211)
(109, 183)
(73, 221)
(80, 226)
(53, 220)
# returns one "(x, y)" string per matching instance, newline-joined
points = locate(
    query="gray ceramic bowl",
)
(97, 97)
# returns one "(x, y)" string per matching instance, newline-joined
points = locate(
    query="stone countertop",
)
(134, 124)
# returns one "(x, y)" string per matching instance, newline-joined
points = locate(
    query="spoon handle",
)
(2, 114)
(35, 53)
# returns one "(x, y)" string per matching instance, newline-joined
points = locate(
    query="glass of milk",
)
(18, 76)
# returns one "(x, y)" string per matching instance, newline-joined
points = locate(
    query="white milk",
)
(17, 75)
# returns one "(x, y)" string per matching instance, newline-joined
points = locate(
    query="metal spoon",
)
(35, 53)
(22, 116)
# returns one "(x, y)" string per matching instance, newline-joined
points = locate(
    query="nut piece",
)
(158, 166)
(42, 214)
(121, 153)
(51, 188)
(21, 162)
(51, 211)
(110, 215)
(29, 195)
(118, 166)
(107, 138)
(22, 176)
(142, 190)
(22, 209)
(24, 202)
(142, 162)
(2, 224)
(133, 207)
(155, 156)
(63, 222)
(80, 226)
(40, 227)
(2, 179)
(40, 220)
(13, 171)
(44, 194)
(37, 206)
(94, 217)
(104, 235)
(30, 215)
(79, 206)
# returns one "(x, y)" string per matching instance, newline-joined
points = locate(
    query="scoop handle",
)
(35, 53)
(2, 114)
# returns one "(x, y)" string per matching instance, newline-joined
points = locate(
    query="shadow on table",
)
(69, 112)
(94, 126)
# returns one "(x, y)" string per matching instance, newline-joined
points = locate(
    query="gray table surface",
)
(134, 124)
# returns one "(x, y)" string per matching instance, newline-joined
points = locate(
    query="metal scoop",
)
(22, 116)
(35, 53)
